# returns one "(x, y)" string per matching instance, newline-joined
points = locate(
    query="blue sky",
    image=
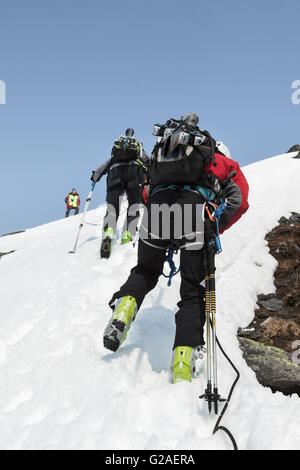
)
(79, 72)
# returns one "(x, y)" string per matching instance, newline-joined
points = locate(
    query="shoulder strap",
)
(212, 145)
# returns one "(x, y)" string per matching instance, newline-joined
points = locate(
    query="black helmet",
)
(129, 132)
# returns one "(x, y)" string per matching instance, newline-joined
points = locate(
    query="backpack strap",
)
(186, 162)
(212, 145)
(157, 146)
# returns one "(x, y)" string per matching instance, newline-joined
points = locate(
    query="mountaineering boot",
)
(108, 237)
(118, 327)
(126, 237)
(184, 365)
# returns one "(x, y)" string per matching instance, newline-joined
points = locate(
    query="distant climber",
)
(125, 174)
(73, 202)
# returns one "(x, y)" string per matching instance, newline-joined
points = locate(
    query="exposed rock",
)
(277, 320)
(272, 366)
(266, 322)
(7, 253)
(270, 302)
(295, 148)
(6, 235)
(293, 219)
(12, 233)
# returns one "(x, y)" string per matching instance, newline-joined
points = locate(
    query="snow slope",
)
(60, 389)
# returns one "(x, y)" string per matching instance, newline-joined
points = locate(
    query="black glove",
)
(92, 177)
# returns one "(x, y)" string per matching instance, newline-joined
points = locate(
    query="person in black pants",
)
(188, 179)
(123, 178)
(190, 317)
(125, 172)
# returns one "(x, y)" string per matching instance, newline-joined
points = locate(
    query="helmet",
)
(223, 149)
(190, 119)
(129, 132)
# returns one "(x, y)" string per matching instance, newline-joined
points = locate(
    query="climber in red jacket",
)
(73, 202)
(236, 190)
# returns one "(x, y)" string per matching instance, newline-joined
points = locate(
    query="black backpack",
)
(124, 149)
(179, 163)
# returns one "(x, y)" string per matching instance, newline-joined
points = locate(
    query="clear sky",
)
(79, 72)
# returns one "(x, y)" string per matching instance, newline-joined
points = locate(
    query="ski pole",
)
(212, 295)
(211, 394)
(87, 203)
(208, 340)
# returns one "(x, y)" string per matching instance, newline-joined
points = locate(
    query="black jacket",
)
(105, 167)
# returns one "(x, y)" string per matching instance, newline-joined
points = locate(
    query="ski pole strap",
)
(173, 269)
(219, 210)
(217, 214)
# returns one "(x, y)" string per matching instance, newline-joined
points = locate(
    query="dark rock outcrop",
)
(6, 235)
(272, 366)
(276, 323)
(7, 253)
(295, 148)
(12, 233)
(270, 302)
